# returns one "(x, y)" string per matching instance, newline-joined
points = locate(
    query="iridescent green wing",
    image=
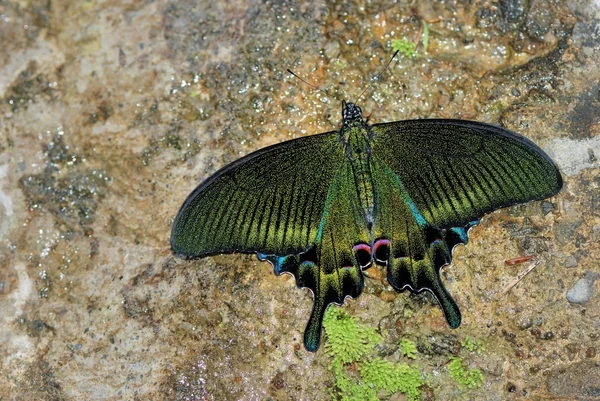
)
(433, 180)
(330, 269)
(413, 250)
(269, 201)
(455, 171)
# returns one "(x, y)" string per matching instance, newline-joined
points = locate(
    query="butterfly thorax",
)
(355, 136)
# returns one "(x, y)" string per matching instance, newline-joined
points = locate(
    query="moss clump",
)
(360, 375)
(408, 348)
(382, 374)
(471, 378)
(472, 345)
(347, 341)
(405, 47)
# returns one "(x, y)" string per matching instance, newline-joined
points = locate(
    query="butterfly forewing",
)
(455, 171)
(270, 201)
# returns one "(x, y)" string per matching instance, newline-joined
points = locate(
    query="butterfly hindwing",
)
(415, 251)
(456, 171)
(329, 268)
(434, 180)
(270, 201)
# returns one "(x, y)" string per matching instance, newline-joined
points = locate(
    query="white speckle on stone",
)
(573, 156)
(5, 202)
(583, 290)
(23, 293)
(18, 347)
(22, 346)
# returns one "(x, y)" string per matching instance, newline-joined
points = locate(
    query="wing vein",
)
(442, 190)
(289, 207)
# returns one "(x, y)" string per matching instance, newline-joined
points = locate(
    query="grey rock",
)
(596, 232)
(571, 261)
(539, 19)
(583, 290)
(513, 10)
(564, 231)
(547, 207)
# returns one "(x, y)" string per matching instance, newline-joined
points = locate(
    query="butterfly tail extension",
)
(304, 272)
(328, 285)
(312, 333)
(420, 270)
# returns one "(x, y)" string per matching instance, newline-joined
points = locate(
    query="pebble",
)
(596, 232)
(583, 290)
(571, 262)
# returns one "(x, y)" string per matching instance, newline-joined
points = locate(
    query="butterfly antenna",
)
(378, 76)
(311, 85)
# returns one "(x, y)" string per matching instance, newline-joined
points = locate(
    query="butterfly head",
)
(351, 112)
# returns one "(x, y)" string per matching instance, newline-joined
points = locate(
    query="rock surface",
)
(111, 112)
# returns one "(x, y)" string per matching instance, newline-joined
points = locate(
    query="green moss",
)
(359, 374)
(471, 378)
(405, 47)
(382, 374)
(408, 48)
(472, 345)
(347, 340)
(408, 348)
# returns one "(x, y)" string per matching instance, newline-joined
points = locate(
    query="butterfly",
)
(326, 207)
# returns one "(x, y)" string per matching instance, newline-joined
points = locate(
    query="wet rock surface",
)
(580, 380)
(112, 112)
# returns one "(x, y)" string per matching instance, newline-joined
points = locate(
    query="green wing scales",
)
(434, 180)
(455, 171)
(294, 204)
(413, 250)
(269, 201)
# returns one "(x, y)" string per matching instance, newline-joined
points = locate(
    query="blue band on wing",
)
(277, 261)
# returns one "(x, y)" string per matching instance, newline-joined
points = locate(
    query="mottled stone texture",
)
(112, 111)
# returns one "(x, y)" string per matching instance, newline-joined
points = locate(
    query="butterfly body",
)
(356, 137)
(326, 207)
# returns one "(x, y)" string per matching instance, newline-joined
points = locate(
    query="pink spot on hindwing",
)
(381, 250)
(363, 255)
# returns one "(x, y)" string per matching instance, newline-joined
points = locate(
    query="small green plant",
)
(382, 374)
(347, 341)
(425, 37)
(359, 375)
(408, 48)
(408, 348)
(471, 378)
(472, 345)
(405, 47)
